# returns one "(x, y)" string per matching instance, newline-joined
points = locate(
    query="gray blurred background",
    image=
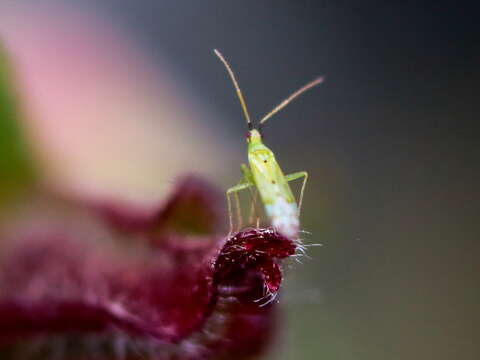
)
(389, 141)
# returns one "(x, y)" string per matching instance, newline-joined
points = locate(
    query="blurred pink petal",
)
(105, 121)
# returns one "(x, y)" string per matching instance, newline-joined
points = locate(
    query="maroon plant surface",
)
(113, 282)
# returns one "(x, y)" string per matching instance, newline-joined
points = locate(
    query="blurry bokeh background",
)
(120, 97)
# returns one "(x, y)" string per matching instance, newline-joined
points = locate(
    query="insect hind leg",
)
(295, 176)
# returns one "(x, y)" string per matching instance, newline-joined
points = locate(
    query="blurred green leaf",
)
(16, 168)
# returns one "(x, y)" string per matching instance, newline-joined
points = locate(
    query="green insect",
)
(265, 174)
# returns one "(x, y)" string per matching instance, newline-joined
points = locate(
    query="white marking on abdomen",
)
(284, 217)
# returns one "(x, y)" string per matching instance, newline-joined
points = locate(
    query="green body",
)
(267, 177)
(266, 174)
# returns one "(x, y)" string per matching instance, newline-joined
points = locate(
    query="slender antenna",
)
(237, 88)
(291, 97)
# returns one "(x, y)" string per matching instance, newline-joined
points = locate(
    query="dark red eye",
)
(248, 135)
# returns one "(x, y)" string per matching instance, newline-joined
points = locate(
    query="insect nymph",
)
(265, 174)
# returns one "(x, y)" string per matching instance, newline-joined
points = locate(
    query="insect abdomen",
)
(284, 217)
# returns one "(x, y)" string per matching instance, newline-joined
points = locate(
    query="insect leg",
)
(253, 208)
(242, 185)
(247, 174)
(239, 210)
(295, 176)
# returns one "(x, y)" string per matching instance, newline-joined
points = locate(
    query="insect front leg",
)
(243, 184)
(234, 190)
(295, 176)
(247, 174)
